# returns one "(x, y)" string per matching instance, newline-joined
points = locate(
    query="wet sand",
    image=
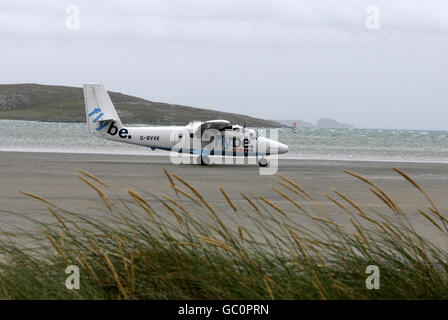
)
(52, 176)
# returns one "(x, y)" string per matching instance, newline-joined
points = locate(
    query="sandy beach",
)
(53, 176)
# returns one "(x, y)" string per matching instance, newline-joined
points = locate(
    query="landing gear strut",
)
(263, 162)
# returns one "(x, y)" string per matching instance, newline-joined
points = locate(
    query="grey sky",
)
(272, 59)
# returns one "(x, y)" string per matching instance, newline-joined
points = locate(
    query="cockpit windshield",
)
(253, 135)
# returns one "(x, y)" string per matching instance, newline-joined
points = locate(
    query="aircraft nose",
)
(282, 148)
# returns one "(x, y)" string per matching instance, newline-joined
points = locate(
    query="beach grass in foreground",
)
(182, 247)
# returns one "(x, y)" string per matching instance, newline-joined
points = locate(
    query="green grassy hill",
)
(66, 104)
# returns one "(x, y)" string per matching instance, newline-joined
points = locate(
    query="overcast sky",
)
(380, 64)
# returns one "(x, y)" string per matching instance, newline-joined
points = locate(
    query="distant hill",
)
(322, 123)
(66, 104)
(333, 124)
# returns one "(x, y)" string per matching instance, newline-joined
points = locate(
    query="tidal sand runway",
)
(53, 176)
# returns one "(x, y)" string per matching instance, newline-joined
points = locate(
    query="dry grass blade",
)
(419, 188)
(393, 232)
(268, 288)
(361, 213)
(55, 245)
(84, 233)
(250, 202)
(114, 274)
(430, 219)
(434, 209)
(141, 202)
(91, 176)
(170, 180)
(296, 186)
(390, 203)
(61, 237)
(284, 195)
(359, 229)
(186, 195)
(273, 205)
(349, 201)
(240, 231)
(9, 234)
(101, 182)
(103, 196)
(85, 263)
(39, 198)
(318, 286)
(290, 189)
(176, 203)
(309, 196)
(437, 213)
(196, 193)
(173, 211)
(336, 202)
(228, 199)
(383, 199)
(298, 243)
(200, 197)
(54, 213)
(326, 221)
(217, 243)
(168, 176)
(138, 197)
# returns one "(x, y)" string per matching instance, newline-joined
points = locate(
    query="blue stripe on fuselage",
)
(207, 152)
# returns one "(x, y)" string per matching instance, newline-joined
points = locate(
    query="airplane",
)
(204, 139)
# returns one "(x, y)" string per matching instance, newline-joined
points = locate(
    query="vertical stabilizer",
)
(99, 108)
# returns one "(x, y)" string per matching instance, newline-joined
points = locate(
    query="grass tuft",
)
(184, 248)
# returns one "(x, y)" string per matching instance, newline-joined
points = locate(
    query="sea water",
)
(307, 143)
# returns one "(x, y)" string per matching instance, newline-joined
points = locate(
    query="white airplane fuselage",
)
(173, 137)
(217, 137)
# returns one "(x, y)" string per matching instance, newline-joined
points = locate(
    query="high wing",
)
(215, 124)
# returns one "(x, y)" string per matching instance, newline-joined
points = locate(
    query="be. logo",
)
(122, 133)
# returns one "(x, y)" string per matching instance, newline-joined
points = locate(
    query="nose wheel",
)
(205, 161)
(263, 162)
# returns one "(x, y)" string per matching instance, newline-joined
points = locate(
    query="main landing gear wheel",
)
(263, 162)
(205, 161)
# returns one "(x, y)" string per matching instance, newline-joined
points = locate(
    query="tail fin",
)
(99, 108)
